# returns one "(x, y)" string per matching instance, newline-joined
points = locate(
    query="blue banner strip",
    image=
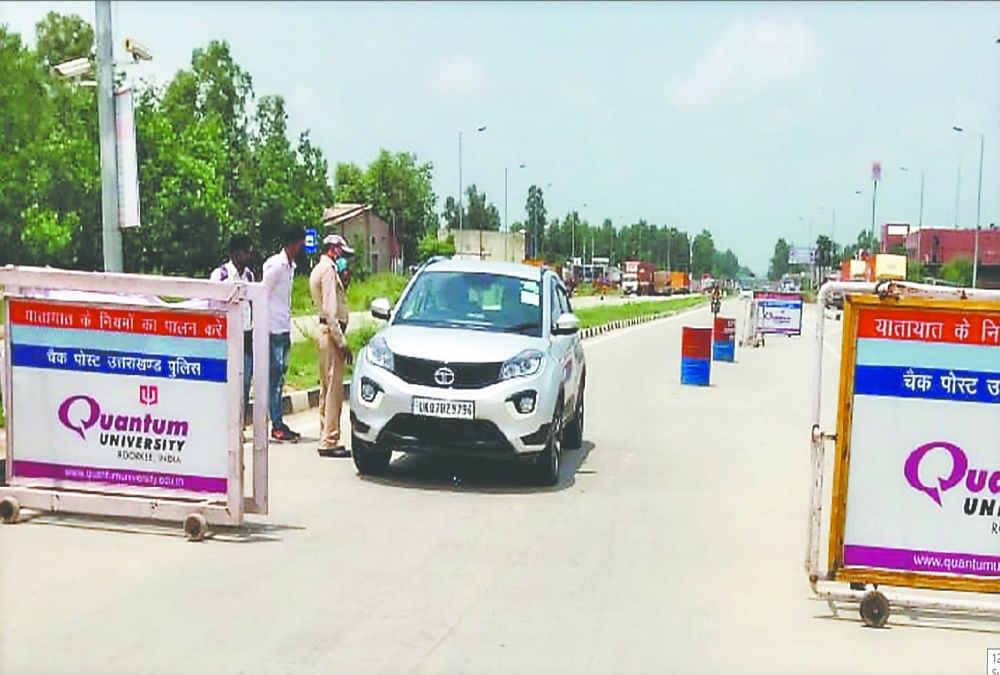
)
(790, 304)
(119, 363)
(125, 342)
(927, 383)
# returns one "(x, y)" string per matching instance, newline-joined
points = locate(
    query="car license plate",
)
(434, 407)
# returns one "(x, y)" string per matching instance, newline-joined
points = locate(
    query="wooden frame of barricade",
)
(85, 293)
(865, 579)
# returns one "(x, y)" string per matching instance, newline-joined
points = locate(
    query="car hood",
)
(456, 345)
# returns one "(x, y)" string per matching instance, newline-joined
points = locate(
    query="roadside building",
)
(369, 234)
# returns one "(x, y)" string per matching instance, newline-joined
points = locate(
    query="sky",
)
(754, 121)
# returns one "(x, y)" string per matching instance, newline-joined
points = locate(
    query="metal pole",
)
(460, 207)
(958, 187)
(871, 242)
(920, 221)
(506, 228)
(111, 235)
(979, 203)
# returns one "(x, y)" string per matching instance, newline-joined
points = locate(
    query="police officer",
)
(326, 285)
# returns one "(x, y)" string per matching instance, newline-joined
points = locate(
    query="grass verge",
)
(596, 316)
(303, 359)
(359, 294)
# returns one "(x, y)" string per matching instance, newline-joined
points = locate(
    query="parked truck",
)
(680, 283)
(661, 282)
(637, 278)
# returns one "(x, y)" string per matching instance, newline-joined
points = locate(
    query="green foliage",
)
(399, 189)
(429, 245)
(958, 271)
(535, 225)
(360, 295)
(914, 270)
(779, 260)
(702, 253)
(208, 166)
(61, 37)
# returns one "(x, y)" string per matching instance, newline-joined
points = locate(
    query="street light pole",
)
(979, 205)
(460, 186)
(111, 235)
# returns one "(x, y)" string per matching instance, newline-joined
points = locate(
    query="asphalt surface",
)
(674, 543)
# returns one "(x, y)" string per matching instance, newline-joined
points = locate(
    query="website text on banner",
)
(778, 312)
(133, 398)
(923, 463)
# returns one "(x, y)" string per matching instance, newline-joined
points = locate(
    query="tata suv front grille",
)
(466, 375)
(415, 433)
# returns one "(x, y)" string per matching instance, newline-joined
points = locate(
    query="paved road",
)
(673, 544)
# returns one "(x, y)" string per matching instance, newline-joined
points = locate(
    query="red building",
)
(939, 245)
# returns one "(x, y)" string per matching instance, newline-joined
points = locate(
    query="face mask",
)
(341, 264)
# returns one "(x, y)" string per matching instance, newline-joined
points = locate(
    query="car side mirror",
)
(381, 309)
(567, 324)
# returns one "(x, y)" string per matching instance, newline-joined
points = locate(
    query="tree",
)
(703, 253)
(958, 271)
(429, 245)
(399, 188)
(779, 260)
(480, 214)
(535, 225)
(63, 37)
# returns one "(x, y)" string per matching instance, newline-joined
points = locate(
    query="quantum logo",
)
(81, 413)
(976, 480)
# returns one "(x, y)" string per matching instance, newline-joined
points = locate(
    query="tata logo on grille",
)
(149, 394)
(444, 376)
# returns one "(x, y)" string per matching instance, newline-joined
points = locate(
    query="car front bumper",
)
(498, 430)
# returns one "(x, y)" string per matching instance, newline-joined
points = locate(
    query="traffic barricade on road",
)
(778, 313)
(724, 339)
(126, 405)
(916, 474)
(696, 356)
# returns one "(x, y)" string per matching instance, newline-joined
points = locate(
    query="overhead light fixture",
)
(138, 51)
(74, 68)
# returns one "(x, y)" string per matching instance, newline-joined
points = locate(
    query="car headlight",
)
(526, 363)
(378, 354)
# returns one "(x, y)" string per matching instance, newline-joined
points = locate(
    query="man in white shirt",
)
(237, 268)
(279, 270)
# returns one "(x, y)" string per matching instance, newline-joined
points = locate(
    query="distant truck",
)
(637, 278)
(680, 283)
(661, 282)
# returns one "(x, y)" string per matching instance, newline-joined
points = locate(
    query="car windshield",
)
(474, 300)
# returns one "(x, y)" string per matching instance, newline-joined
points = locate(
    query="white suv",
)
(480, 359)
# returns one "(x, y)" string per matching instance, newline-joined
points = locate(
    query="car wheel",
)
(573, 434)
(545, 468)
(369, 460)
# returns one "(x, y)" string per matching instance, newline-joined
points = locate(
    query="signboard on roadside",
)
(801, 255)
(312, 241)
(916, 495)
(778, 312)
(117, 397)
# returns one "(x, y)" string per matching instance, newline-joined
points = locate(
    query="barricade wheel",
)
(874, 609)
(195, 527)
(9, 510)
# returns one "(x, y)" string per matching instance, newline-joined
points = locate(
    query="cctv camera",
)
(74, 68)
(138, 52)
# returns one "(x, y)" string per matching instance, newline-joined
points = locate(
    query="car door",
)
(562, 345)
(576, 344)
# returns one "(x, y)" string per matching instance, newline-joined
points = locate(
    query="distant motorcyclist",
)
(716, 298)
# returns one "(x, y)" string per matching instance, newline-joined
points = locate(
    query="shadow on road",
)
(248, 533)
(427, 472)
